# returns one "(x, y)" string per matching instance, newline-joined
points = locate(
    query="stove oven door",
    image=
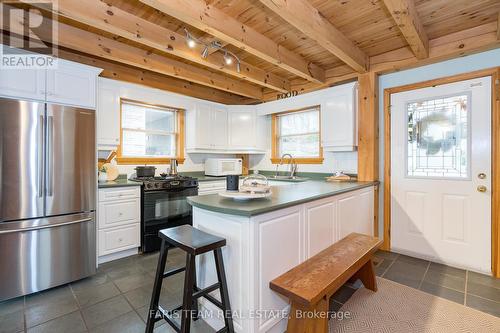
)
(164, 209)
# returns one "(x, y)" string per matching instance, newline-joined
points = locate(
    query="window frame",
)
(275, 159)
(179, 145)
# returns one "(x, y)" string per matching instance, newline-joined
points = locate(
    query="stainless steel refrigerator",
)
(47, 196)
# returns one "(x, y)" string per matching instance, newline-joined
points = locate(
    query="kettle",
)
(173, 167)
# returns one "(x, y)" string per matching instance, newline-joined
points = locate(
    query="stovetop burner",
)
(166, 183)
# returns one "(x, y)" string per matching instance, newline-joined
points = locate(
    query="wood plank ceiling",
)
(283, 45)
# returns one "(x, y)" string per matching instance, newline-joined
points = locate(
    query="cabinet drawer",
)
(119, 239)
(212, 184)
(119, 193)
(113, 213)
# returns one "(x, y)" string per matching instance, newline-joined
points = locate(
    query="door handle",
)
(40, 161)
(50, 155)
(481, 188)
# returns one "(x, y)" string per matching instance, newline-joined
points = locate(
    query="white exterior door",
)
(441, 173)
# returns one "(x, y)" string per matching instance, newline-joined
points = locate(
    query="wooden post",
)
(368, 134)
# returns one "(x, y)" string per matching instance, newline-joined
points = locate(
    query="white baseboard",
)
(118, 255)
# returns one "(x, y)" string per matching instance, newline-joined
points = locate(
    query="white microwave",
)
(223, 166)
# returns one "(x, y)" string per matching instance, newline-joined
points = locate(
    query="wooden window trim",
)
(275, 159)
(149, 160)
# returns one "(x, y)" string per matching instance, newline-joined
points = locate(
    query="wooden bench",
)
(310, 285)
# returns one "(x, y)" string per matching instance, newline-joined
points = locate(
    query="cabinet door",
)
(204, 129)
(338, 121)
(242, 129)
(218, 128)
(23, 84)
(355, 213)
(320, 223)
(108, 116)
(72, 84)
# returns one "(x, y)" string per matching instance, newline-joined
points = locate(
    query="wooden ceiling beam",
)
(306, 18)
(91, 43)
(116, 71)
(465, 42)
(217, 23)
(406, 17)
(498, 27)
(100, 15)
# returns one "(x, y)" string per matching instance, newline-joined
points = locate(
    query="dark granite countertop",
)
(282, 196)
(119, 182)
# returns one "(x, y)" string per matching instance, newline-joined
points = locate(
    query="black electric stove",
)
(164, 205)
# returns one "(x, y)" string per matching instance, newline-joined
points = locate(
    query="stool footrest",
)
(205, 291)
(212, 299)
(167, 316)
(224, 329)
(173, 272)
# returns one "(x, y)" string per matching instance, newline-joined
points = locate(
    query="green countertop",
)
(282, 196)
(119, 182)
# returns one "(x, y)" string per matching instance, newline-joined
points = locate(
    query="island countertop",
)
(282, 196)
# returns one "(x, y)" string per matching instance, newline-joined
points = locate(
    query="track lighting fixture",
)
(228, 57)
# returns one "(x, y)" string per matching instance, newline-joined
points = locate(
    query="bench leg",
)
(308, 320)
(367, 275)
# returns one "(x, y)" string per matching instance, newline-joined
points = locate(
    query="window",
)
(297, 133)
(150, 133)
(438, 137)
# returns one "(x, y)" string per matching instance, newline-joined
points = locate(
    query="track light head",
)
(228, 59)
(204, 53)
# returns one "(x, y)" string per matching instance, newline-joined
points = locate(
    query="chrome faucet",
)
(291, 162)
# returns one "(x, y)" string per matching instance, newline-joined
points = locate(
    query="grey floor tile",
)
(100, 313)
(405, 273)
(386, 255)
(95, 294)
(100, 278)
(72, 322)
(484, 279)
(483, 305)
(447, 270)
(12, 305)
(483, 291)
(443, 292)
(50, 295)
(412, 260)
(144, 313)
(343, 294)
(444, 280)
(382, 266)
(129, 322)
(48, 305)
(12, 322)
(139, 297)
(133, 281)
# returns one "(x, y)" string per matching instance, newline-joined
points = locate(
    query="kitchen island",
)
(267, 237)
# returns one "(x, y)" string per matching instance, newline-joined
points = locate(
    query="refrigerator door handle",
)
(45, 226)
(40, 157)
(50, 155)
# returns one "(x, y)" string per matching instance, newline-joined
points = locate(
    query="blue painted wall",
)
(442, 69)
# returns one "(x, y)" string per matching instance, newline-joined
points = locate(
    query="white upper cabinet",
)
(338, 119)
(218, 128)
(242, 127)
(23, 83)
(108, 115)
(69, 83)
(73, 84)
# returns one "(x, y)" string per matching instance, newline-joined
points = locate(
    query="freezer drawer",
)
(43, 253)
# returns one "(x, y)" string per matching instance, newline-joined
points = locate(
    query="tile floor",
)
(116, 299)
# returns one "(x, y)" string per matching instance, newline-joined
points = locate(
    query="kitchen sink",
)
(288, 178)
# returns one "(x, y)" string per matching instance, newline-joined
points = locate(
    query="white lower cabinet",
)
(119, 221)
(211, 187)
(260, 248)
